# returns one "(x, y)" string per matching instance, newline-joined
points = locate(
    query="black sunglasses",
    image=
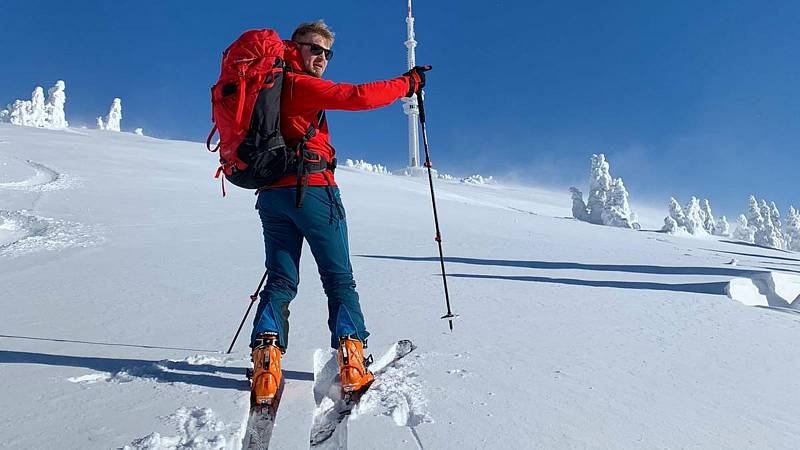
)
(317, 50)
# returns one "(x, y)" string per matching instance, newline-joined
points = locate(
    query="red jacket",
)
(303, 97)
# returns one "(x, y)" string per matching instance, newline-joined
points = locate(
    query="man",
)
(321, 219)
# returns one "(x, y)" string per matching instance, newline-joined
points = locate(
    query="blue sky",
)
(684, 97)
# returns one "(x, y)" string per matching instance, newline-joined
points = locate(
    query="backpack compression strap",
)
(309, 162)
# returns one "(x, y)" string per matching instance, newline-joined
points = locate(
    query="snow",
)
(124, 280)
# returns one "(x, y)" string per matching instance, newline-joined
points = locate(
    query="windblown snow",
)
(124, 275)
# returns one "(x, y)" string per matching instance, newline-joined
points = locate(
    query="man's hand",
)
(416, 79)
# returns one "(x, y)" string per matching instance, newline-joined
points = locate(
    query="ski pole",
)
(252, 300)
(449, 316)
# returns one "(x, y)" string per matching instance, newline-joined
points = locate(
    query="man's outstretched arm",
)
(314, 93)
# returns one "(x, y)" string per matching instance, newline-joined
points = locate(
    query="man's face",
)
(314, 64)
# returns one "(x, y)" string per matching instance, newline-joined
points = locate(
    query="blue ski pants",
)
(322, 222)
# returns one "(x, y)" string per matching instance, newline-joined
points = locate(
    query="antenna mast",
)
(410, 106)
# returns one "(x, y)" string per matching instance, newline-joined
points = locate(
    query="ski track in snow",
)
(22, 232)
(44, 179)
(197, 428)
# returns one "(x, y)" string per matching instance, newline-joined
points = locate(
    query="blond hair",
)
(317, 27)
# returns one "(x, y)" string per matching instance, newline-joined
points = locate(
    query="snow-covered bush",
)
(363, 165)
(721, 227)
(607, 202)
(478, 179)
(743, 231)
(671, 225)
(579, 209)
(37, 112)
(114, 117)
(792, 230)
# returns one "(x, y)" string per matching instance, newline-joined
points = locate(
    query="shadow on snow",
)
(555, 265)
(163, 371)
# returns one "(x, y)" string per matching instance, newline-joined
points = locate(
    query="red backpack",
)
(245, 108)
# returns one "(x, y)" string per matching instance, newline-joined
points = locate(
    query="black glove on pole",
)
(252, 300)
(420, 95)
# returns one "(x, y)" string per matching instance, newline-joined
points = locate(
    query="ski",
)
(260, 423)
(329, 428)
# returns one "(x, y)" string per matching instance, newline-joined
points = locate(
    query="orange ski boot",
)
(353, 366)
(266, 374)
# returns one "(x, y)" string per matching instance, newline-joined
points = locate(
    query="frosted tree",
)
(599, 185)
(775, 217)
(579, 210)
(676, 219)
(607, 203)
(743, 231)
(617, 212)
(792, 230)
(670, 225)
(36, 115)
(694, 219)
(37, 112)
(114, 117)
(722, 228)
(708, 218)
(54, 108)
(766, 234)
(19, 113)
(754, 217)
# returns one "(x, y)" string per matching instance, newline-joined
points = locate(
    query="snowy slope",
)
(124, 275)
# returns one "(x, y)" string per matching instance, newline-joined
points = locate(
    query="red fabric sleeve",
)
(310, 93)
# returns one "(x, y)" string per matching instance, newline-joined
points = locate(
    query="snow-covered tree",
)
(36, 115)
(54, 108)
(708, 218)
(676, 213)
(19, 113)
(579, 210)
(775, 217)
(766, 234)
(743, 231)
(607, 202)
(37, 112)
(114, 117)
(722, 228)
(694, 219)
(792, 230)
(754, 218)
(617, 212)
(671, 226)
(599, 185)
